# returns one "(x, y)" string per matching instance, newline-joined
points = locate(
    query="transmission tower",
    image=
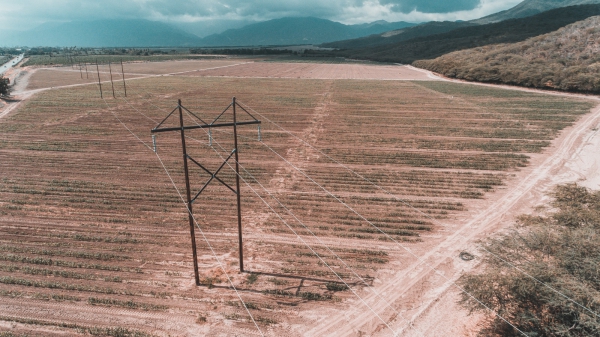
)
(200, 124)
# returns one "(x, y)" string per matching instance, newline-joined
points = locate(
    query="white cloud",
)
(26, 14)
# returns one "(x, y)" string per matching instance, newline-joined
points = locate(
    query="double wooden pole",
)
(192, 221)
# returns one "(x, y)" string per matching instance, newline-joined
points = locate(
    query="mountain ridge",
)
(530, 8)
(144, 33)
(104, 33)
(296, 30)
(508, 31)
(399, 35)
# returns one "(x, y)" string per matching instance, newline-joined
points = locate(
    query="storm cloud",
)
(26, 14)
(431, 6)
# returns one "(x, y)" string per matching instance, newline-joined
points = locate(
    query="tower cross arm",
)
(204, 126)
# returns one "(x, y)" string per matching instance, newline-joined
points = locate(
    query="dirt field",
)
(317, 71)
(95, 237)
(62, 76)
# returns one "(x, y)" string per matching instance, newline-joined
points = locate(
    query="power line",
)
(392, 239)
(299, 237)
(195, 221)
(313, 234)
(423, 213)
(309, 247)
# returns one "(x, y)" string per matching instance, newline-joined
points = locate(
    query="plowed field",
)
(95, 239)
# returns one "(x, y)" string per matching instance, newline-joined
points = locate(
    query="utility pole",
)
(188, 194)
(200, 124)
(111, 80)
(237, 186)
(99, 83)
(123, 72)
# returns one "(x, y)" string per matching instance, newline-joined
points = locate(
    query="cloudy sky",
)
(26, 14)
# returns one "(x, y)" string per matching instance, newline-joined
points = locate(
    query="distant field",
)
(64, 60)
(318, 59)
(313, 70)
(95, 237)
(59, 76)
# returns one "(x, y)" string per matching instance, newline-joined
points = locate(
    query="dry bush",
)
(567, 59)
(561, 252)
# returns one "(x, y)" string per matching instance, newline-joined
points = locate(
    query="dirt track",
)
(441, 266)
(418, 292)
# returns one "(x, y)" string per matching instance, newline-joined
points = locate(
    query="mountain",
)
(566, 59)
(508, 31)
(524, 9)
(103, 33)
(531, 7)
(144, 33)
(399, 35)
(294, 31)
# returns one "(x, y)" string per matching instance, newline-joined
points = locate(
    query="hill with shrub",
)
(399, 35)
(509, 31)
(567, 59)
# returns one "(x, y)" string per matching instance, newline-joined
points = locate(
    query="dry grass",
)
(568, 59)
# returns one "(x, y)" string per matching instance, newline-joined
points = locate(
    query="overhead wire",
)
(423, 213)
(421, 260)
(346, 205)
(195, 221)
(299, 237)
(313, 234)
(392, 239)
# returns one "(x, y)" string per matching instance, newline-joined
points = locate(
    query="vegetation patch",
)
(94, 331)
(567, 59)
(542, 277)
(109, 302)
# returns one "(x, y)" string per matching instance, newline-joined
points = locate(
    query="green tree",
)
(560, 252)
(4, 86)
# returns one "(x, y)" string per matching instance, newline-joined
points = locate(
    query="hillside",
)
(293, 31)
(104, 33)
(509, 31)
(399, 35)
(531, 7)
(567, 59)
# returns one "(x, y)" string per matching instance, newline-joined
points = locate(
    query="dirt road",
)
(425, 292)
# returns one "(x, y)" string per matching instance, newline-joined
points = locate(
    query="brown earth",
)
(80, 190)
(317, 71)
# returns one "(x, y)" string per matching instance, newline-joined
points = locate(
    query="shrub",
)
(561, 250)
(333, 286)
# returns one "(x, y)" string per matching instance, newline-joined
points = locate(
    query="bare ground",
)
(419, 294)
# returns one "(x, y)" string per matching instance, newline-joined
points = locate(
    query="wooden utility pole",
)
(111, 80)
(123, 72)
(99, 83)
(200, 124)
(237, 186)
